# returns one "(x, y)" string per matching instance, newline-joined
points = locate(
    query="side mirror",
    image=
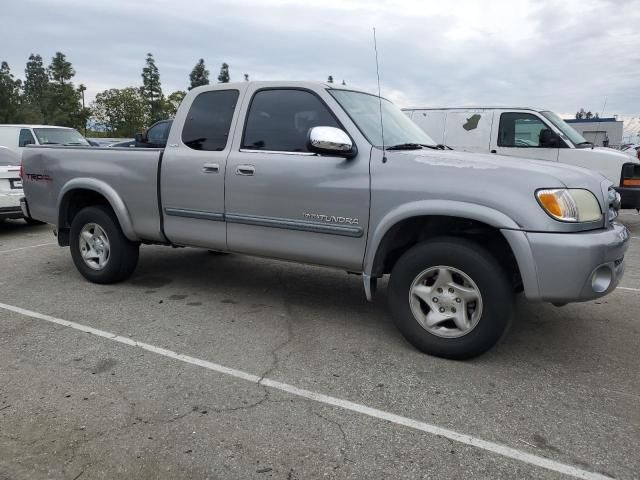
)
(331, 141)
(141, 138)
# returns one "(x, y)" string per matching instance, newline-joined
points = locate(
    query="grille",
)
(613, 204)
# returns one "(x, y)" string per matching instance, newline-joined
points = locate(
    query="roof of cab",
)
(277, 83)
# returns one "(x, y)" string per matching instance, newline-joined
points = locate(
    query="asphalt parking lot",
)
(130, 380)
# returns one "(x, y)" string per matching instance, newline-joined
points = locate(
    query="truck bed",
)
(50, 172)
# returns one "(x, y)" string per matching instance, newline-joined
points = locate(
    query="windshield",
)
(364, 110)
(564, 127)
(59, 136)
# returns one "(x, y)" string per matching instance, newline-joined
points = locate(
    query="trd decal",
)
(37, 177)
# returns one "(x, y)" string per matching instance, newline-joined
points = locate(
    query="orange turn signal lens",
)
(631, 182)
(549, 201)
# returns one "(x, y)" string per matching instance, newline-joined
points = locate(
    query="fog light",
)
(601, 279)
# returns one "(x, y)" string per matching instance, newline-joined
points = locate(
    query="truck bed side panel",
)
(131, 172)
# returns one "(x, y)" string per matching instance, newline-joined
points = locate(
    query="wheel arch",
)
(407, 225)
(83, 192)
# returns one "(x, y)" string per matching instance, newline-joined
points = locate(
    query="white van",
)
(529, 133)
(16, 137)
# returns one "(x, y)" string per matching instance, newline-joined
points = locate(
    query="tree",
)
(224, 74)
(199, 75)
(62, 102)
(122, 112)
(246, 77)
(9, 95)
(35, 90)
(589, 115)
(173, 102)
(330, 79)
(151, 89)
(60, 69)
(343, 82)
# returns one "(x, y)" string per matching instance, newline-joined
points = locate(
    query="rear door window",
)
(209, 120)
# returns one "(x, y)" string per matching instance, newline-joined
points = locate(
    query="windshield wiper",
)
(73, 143)
(50, 143)
(584, 143)
(411, 146)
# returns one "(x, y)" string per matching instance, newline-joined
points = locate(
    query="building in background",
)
(599, 130)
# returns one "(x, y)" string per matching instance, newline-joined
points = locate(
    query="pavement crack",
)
(345, 441)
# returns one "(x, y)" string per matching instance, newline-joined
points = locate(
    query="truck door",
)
(192, 170)
(286, 202)
(523, 134)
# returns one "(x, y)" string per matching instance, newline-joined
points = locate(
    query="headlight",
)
(570, 204)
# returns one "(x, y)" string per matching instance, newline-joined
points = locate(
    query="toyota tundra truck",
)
(328, 175)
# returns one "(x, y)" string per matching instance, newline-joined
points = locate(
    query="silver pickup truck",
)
(299, 171)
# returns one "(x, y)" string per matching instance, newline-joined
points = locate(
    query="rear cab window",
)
(209, 120)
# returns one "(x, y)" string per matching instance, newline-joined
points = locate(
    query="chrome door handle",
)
(210, 168)
(245, 170)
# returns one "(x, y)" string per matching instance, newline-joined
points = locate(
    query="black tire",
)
(32, 222)
(479, 265)
(123, 254)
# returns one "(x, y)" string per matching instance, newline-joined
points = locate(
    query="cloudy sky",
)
(560, 55)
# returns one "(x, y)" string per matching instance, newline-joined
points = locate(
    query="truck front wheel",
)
(100, 251)
(450, 298)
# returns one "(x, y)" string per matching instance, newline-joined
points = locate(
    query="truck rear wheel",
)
(100, 251)
(450, 298)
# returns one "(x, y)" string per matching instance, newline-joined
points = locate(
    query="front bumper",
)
(571, 267)
(630, 197)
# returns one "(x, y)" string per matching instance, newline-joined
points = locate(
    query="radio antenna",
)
(375, 47)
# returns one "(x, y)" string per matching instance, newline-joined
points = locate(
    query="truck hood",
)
(547, 173)
(501, 183)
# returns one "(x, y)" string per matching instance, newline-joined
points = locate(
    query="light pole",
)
(82, 88)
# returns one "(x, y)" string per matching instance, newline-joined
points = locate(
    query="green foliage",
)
(224, 74)
(35, 89)
(60, 70)
(151, 90)
(173, 102)
(9, 95)
(123, 112)
(330, 79)
(62, 105)
(199, 75)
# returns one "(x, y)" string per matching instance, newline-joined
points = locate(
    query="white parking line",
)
(464, 438)
(629, 289)
(25, 248)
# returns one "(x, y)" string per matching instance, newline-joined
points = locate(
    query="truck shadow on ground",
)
(539, 333)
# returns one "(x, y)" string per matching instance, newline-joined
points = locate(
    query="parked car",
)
(297, 171)
(16, 137)
(11, 186)
(155, 136)
(528, 133)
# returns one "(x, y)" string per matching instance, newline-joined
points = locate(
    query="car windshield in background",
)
(364, 110)
(566, 129)
(59, 136)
